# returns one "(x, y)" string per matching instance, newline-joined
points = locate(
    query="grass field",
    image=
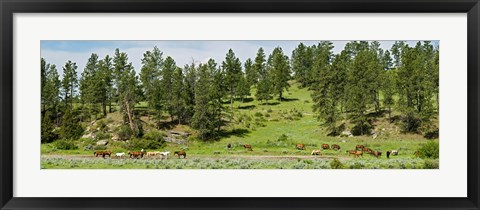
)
(272, 129)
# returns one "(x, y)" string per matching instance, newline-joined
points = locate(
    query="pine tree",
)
(217, 93)
(90, 85)
(150, 75)
(359, 94)
(69, 83)
(178, 95)
(127, 88)
(71, 128)
(279, 72)
(105, 77)
(264, 84)
(169, 67)
(50, 89)
(328, 91)
(202, 119)
(302, 63)
(48, 135)
(233, 72)
(251, 74)
(389, 91)
(190, 88)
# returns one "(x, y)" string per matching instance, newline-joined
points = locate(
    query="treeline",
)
(363, 80)
(346, 85)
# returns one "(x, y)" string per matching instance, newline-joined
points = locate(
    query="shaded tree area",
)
(363, 80)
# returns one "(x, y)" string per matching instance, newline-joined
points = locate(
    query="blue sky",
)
(183, 52)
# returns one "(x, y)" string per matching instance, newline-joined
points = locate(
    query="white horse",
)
(165, 154)
(121, 154)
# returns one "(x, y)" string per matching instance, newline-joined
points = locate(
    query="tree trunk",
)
(104, 106)
(389, 114)
(129, 113)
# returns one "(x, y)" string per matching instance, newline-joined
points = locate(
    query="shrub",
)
(88, 147)
(48, 129)
(155, 135)
(137, 144)
(357, 166)
(336, 164)
(267, 115)
(432, 134)
(65, 144)
(100, 147)
(124, 132)
(431, 164)
(411, 123)
(71, 127)
(258, 114)
(283, 137)
(269, 110)
(102, 135)
(101, 125)
(430, 150)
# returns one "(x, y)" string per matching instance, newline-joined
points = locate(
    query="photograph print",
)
(244, 104)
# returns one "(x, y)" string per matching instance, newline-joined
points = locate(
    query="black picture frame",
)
(10, 7)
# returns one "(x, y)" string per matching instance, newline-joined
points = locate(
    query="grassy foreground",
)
(236, 163)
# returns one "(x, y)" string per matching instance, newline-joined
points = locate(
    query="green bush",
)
(431, 164)
(336, 164)
(100, 147)
(269, 110)
(101, 125)
(71, 127)
(48, 129)
(283, 137)
(88, 147)
(102, 135)
(138, 144)
(357, 166)
(124, 132)
(258, 114)
(65, 144)
(154, 135)
(411, 122)
(430, 150)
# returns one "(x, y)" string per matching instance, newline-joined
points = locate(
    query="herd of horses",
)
(140, 154)
(357, 152)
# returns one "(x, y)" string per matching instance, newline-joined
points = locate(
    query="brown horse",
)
(355, 153)
(376, 154)
(325, 146)
(102, 153)
(248, 147)
(300, 146)
(180, 153)
(359, 147)
(335, 147)
(136, 154)
(367, 150)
